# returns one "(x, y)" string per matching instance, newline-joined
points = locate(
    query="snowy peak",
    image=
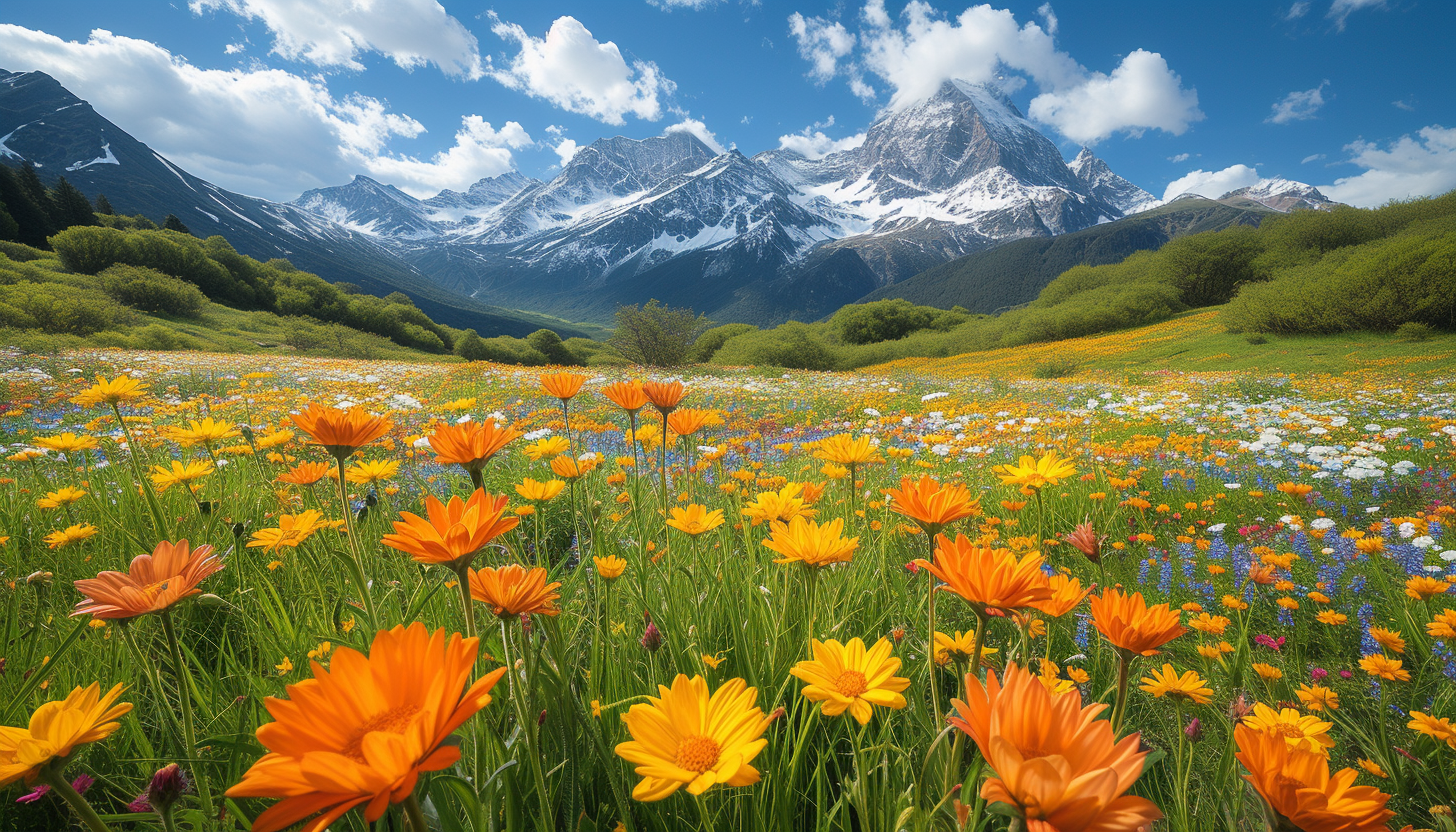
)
(1282, 195)
(1102, 183)
(370, 207)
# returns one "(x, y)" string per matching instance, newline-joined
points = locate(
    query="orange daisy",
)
(153, 583)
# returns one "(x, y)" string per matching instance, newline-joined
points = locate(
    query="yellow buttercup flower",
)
(695, 519)
(811, 544)
(1049, 469)
(684, 737)
(849, 678)
(56, 728)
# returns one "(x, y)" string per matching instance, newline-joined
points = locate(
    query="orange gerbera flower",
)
(470, 444)
(563, 385)
(341, 432)
(1131, 625)
(931, 505)
(1296, 783)
(1057, 765)
(306, 473)
(664, 395)
(514, 590)
(1067, 595)
(627, 395)
(153, 583)
(454, 532)
(989, 579)
(687, 421)
(362, 731)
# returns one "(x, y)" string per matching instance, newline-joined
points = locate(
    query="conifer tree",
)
(33, 222)
(171, 223)
(103, 205)
(71, 206)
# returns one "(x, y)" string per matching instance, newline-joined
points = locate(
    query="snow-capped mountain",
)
(1282, 195)
(44, 124)
(665, 217)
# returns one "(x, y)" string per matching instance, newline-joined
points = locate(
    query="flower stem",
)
(132, 452)
(1120, 708)
(52, 777)
(358, 557)
(462, 579)
(930, 641)
(523, 716)
(415, 814)
(189, 730)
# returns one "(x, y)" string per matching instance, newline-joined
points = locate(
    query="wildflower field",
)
(913, 598)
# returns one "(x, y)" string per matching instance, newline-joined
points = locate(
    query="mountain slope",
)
(1014, 273)
(44, 124)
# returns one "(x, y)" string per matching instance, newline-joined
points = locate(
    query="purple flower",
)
(1345, 674)
(1319, 674)
(33, 795)
(1268, 641)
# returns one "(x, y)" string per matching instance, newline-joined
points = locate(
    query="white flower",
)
(1449, 554)
(1217, 527)
(1322, 523)
(1425, 541)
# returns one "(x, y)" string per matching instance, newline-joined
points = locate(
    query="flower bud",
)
(167, 787)
(39, 580)
(1194, 730)
(651, 636)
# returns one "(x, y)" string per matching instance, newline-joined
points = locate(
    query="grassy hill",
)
(1014, 273)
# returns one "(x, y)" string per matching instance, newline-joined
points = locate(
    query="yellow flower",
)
(284, 667)
(783, 505)
(1332, 618)
(811, 544)
(1421, 587)
(1373, 768)
(60, 497)
(1376, 664)
(56, 728)
(292, 530)
(70, 534)
(1050, 469)
(1318, 698)
(1168, 682)
(1300, 731)
(539, 492)
(1389, 639)
(847, 677)
(164, 477)
(67, 443)
(610, 567)
(958, 647)
(847, 450)
(372, 471)
(686, 737)
(695, 519)
(712, 661)
(1268, 672)
(113, 392)
(1437, 728)
(205, 432)
(549, 447)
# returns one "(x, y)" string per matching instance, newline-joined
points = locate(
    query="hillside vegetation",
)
(1013, 273)
(1309, 272)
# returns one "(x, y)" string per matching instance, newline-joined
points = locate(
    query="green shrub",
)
(792, 345)
(713, 340)
(158, 337)
(881, 320)
(1055, 368)
(151, 291)
(548, 343)
(1414, 332)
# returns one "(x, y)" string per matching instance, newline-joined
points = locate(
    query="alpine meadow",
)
(715, 415)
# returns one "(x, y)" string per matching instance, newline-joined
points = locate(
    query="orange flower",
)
(1377, 664)
(455, 532)
(989, 579)
(470, 444)
(153, 583)
(695, 519)
(847, 450)
(1297, 784)
(1086, 540)
(563, 385)
(306, 473)
(341, 432)
(931, 505)
(514, 590)
(664, 395)
(1422, 587)
(364, 730)
(687, 421)
(1058, 766)
(1131, 625)
(1067, 595)
(627, 395)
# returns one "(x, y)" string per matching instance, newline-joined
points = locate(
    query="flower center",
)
(1289, 730)
(851, 683)
(393, 721)
(697, 753)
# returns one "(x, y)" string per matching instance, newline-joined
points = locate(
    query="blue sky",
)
(271, 97)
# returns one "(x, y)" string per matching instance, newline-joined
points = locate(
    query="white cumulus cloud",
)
(920, 49)
(572, 70)
(1212, 183)
(815, 145)
(566, 150)
(697, 128)
(1142, 93)
(1423, 165)
(259, 131)
(1299, 105)
(329, 33)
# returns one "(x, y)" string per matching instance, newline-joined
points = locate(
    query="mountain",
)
(760, 239)
(42, 123)
(1015, 273)
(1281, 195)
